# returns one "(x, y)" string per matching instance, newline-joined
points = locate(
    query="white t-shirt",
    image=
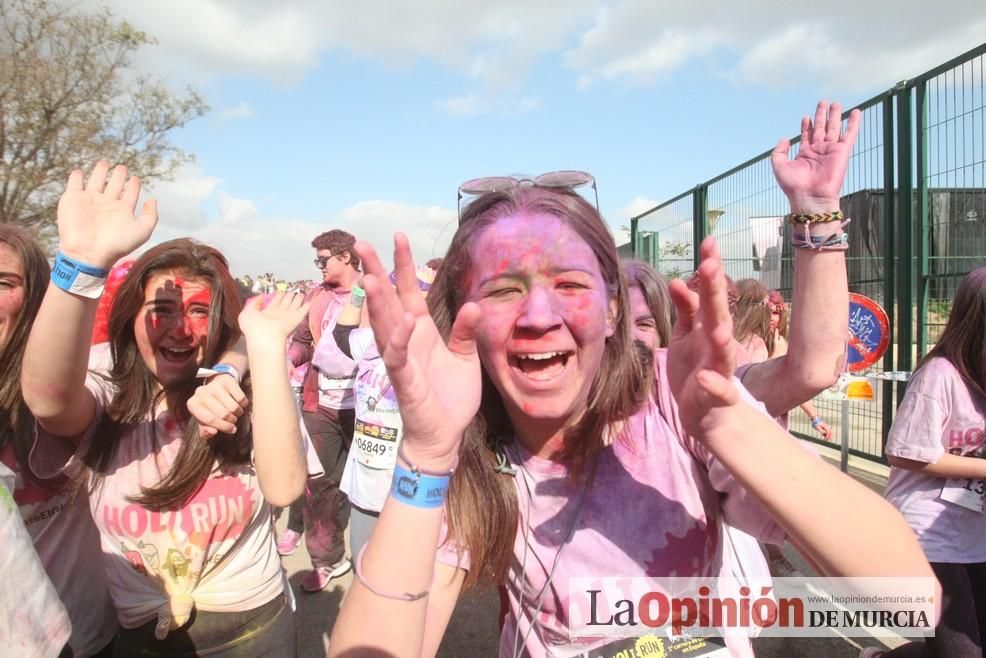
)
(55, 520)
(33, 622)
(939, 413)
(217, 553)
(370, 463)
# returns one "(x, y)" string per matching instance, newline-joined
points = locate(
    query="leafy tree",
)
(70, 95)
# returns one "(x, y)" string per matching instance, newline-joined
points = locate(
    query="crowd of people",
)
(525, 410)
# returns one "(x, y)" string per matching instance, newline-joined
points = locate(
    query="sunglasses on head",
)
(567, 179)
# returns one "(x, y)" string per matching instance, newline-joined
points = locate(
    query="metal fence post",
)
(905, 225)
(922, 246)
(889, 264)
(700, 202)
(635, 247)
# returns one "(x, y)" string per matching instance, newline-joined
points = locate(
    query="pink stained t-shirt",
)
(939, 414)
(217, 553)
(55, 521)
(654, 509)
(335, 386)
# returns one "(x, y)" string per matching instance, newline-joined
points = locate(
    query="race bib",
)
(376, 445)
(965, 493)
(654, 646)
(326, 383)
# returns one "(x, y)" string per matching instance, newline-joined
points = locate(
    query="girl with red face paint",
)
(185, 523)
(519, 375)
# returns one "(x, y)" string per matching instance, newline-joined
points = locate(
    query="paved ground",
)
(473, 629)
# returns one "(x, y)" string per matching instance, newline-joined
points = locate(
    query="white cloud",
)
(241, 110)
(637, 206)
(845, 43)
(763, 42)
(180, 201)
(195, 205)
(491, 42)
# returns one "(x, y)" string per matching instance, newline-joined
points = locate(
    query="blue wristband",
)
(816, 421)
(417, 489)
(78, 278)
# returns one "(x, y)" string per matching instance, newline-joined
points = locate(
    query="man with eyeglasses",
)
(327, 408)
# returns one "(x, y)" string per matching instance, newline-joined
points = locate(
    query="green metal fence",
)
(916, 192)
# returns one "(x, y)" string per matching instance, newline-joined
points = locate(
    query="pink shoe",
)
(872, 652)
(319, 577)
(288, 543)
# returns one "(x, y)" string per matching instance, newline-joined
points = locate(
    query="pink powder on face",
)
(540, 289)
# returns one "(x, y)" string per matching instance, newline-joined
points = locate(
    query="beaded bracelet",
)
(406, 596)
(815, 218)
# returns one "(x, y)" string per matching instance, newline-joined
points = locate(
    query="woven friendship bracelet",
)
(816, 218)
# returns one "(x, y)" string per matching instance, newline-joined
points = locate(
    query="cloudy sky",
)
(367, 115)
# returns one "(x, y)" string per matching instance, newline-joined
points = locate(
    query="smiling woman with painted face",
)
(187, 541)
(532, 453)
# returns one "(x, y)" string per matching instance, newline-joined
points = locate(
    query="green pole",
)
(923, 248)
(699, 208)
(634, 235)
(905, 227)
(889, 265)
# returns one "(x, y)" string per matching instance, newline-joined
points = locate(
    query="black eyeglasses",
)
(567, 179)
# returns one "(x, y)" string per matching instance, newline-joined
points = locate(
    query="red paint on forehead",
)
(203, 296)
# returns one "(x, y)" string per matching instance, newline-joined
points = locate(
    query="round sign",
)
(869, 332)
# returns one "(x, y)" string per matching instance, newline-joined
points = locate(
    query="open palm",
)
(813, 180)
(96, 223)
(438, 384)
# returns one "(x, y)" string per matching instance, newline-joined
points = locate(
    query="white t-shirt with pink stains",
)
(56, 519)
(217, 553)
(654, 509)
(939, 414)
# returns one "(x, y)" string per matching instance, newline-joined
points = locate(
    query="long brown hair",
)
(963, 342)
(654, 289)
(482, 504)
(15, 418)
(136, 390)
(752, 317)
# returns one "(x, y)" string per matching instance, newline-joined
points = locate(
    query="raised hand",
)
(813, 180)
(701, 357)
(96, 222)
(438, 385)
(269, 321)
